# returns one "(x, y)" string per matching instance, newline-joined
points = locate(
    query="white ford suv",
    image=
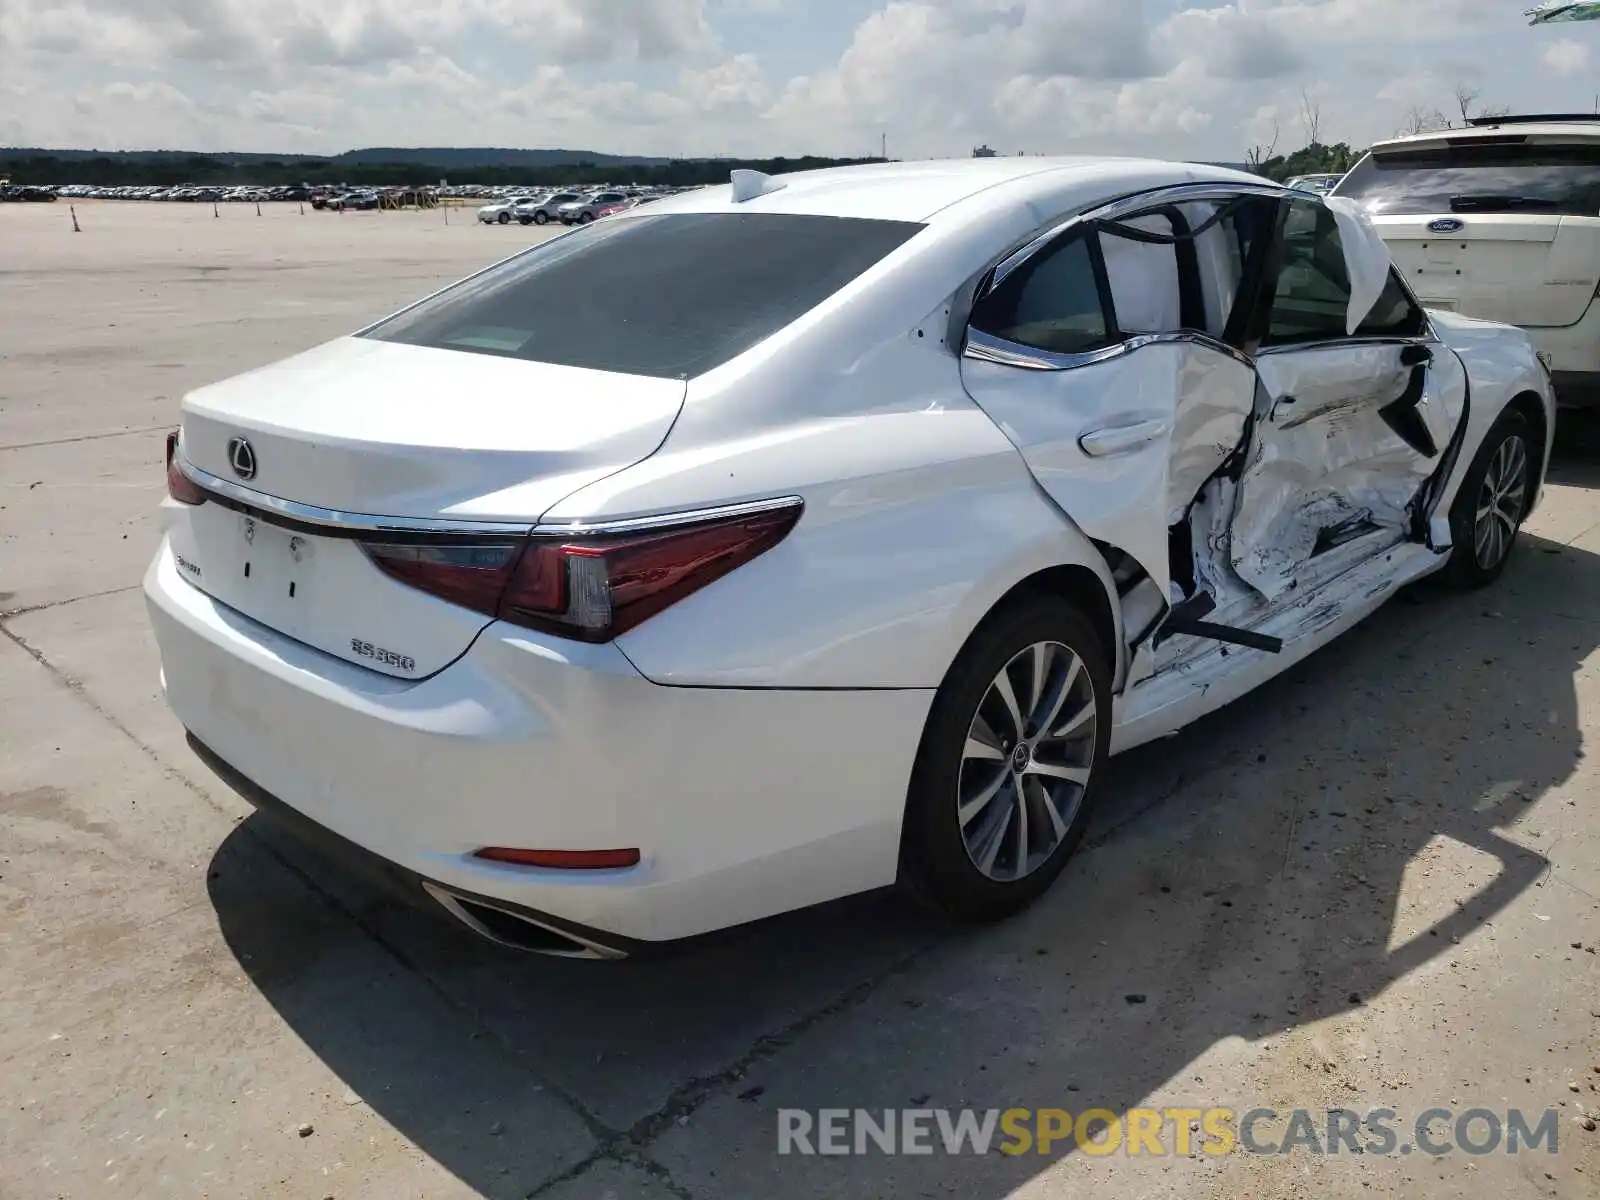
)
(1500, 220)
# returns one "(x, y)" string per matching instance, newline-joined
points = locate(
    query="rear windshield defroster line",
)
(669, 295)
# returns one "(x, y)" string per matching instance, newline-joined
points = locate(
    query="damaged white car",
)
(791, 539)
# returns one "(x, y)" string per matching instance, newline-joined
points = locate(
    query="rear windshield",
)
(669, 295)
(1557, 180)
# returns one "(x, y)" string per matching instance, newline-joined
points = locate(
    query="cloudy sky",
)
(759, 77)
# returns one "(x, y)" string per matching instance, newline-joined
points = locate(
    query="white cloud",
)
(1189, 78)
(1567, 57)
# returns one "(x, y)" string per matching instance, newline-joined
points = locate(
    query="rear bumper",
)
(543, 932)
(1577, 389)
(743, 804)
(1573, 355)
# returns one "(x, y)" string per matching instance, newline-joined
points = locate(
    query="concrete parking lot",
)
(1373, 884)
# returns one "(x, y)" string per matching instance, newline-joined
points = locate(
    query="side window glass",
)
(1221, 250)
(1052, 302)
(1145, 290)
(1395, 315)
(1313, 293)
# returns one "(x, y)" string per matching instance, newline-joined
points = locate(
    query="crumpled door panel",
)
(1324, 465)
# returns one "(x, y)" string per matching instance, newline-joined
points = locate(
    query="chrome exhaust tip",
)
(517, 930)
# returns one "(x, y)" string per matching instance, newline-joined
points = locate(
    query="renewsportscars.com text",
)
(1153, 1132)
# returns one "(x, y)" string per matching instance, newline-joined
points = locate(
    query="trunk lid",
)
(372, 428)
(1521, 269)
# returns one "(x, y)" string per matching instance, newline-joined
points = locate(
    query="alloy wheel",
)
(1026, 763)
(1500, 503)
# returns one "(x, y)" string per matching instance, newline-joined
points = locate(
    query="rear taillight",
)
(588, 587)
(180, 486)
(471, 575)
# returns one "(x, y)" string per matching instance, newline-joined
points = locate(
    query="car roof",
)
(919, 191)
(1546, 132)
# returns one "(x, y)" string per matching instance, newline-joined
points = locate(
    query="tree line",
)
(1317, 158)
(112, 170)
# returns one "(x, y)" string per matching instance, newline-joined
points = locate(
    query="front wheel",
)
(585, 218)
(504, 218)
(1002, 786)
(541, 218)
(1488, 511)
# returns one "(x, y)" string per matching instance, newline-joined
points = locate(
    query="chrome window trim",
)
(347, 524)
(1126, 206)
(1344, 343)
(692, 516)
(985, 347)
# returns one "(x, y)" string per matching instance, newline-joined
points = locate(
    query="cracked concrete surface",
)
(1407, 820)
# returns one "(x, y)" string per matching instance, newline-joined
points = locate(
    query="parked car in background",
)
(547, 207)
(1320, 184)
(498, 212)
(621, 206)
(586, 208)
(1500, 220)
(791, 539)
(354, 201)
(526, 210)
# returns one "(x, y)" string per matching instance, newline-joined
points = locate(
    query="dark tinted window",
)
(1312, 300)
(1395, 315)
(1052, 302)
(1561, 180)
(671, 296)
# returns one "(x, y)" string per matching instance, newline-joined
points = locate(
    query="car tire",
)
(503, 218)
(524, 220)
(1495, 496)
(585, 218)
(975, 846)
(541, 218)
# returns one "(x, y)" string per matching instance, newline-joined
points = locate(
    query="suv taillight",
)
(180, 486)
(589, 587)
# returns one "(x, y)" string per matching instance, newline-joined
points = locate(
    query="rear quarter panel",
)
(916, 524)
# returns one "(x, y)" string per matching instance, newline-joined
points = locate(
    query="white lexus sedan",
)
(806, 535)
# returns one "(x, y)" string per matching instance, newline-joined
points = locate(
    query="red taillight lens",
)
(599, 588)
(593, 588)
(473, 576)
(180, 486)
(566, 860)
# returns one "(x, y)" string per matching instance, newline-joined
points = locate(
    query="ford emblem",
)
(1446, 225)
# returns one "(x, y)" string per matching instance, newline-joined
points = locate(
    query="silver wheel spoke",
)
(983, 799)
(1037, 677)
(1014, 811)
(996, 837)
(1077, 775)
(1074, 723)
(1002, 687)
(1505, 486)
(1021, 801)
(1045, 715)
(1056, 823)
(982, 751)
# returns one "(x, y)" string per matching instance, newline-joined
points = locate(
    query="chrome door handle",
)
(1121, 439)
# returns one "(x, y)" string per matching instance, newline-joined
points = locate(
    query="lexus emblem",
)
(242, 458)
(1446, 225)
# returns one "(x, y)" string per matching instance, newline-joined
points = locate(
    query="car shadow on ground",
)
(1242, 879)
